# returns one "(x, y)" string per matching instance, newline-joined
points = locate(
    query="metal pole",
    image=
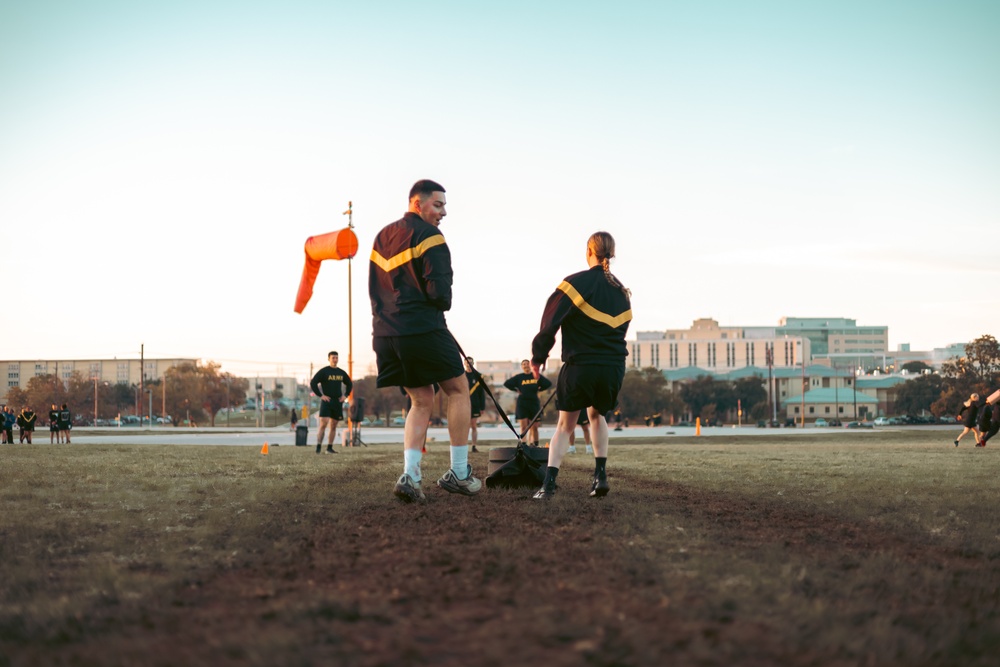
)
(142, 376)
(95, 400)
(350, 315)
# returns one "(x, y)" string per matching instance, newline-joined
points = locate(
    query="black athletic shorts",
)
(54, 428)
(332, 408)
(583, 419)
(582, 386)
(415, 361)
(476, 413)
(527, 408)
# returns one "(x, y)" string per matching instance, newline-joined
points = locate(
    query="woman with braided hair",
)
(593, 309)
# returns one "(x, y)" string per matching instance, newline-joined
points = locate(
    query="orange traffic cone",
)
(263, 450)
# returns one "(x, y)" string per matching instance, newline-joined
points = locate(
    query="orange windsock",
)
(342, 244)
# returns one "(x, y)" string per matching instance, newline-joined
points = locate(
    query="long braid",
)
(603, 245)
(606, 263)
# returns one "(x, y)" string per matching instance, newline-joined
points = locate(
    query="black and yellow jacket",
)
(477, 395)
(409, 278)
(327, 382)
(527, 387)
(594, 316)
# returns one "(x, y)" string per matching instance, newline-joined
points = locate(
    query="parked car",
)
(820, 423)
(398, 421)
(947, 419)
(882, 421)
(836, 422)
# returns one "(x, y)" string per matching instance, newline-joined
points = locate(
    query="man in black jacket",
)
(409, 283)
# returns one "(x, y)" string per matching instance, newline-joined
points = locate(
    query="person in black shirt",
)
(65, 423)
(593, 309)
(969, 416)
(54, 425)
(528, 404)
(327, 385)
(477, 399)
(409, 284)
(26, 423)
(989, 421)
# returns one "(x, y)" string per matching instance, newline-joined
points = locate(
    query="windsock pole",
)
(350, 314)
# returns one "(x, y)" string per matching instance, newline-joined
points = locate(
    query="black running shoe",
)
(546, 492)
(600, 487)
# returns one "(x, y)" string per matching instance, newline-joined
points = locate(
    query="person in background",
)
(65, 423)
(527, 387)
(327, 385)
(8, 424)
(54, 425)
(583, 421)
(969, 416)
(593, 310)
(989, 421)
(477, 398)
(26, 423)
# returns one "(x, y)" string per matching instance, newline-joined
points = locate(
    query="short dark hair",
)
(332, 353)
(425, 187)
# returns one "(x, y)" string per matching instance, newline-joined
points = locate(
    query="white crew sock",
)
(411, 463)
(460, 461)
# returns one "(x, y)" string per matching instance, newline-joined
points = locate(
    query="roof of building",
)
(833, 395)
(881, 382)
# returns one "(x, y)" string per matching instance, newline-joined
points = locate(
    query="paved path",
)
(255, 437)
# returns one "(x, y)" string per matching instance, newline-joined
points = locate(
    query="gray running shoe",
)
(469, 486)
(409, 491)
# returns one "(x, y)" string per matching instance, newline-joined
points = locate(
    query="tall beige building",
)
(708, 346)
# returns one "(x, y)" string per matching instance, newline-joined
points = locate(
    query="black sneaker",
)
(600, 487)
(546, 492)
(319, 449)
(474, 448)
(956, 443)
(330, 449)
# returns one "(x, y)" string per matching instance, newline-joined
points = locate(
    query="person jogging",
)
(969, 416)
(593, 309)
(326, 384)
(409, 283)
(527, 387)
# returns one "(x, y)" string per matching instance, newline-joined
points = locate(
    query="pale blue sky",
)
(161, 165)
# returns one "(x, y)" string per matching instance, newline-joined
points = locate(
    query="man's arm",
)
(437, 276)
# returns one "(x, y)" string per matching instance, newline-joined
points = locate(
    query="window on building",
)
(827, 409)
(796, 409)
(812, 410)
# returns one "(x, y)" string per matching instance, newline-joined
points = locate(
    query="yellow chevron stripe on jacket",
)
(407, 255)
(473, 388)
(593, 313)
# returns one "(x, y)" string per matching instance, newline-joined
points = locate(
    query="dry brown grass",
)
(846, 549)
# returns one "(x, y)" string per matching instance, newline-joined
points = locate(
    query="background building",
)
(112, 371)
(706, 345)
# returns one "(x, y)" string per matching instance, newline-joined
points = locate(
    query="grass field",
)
(837, 549)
